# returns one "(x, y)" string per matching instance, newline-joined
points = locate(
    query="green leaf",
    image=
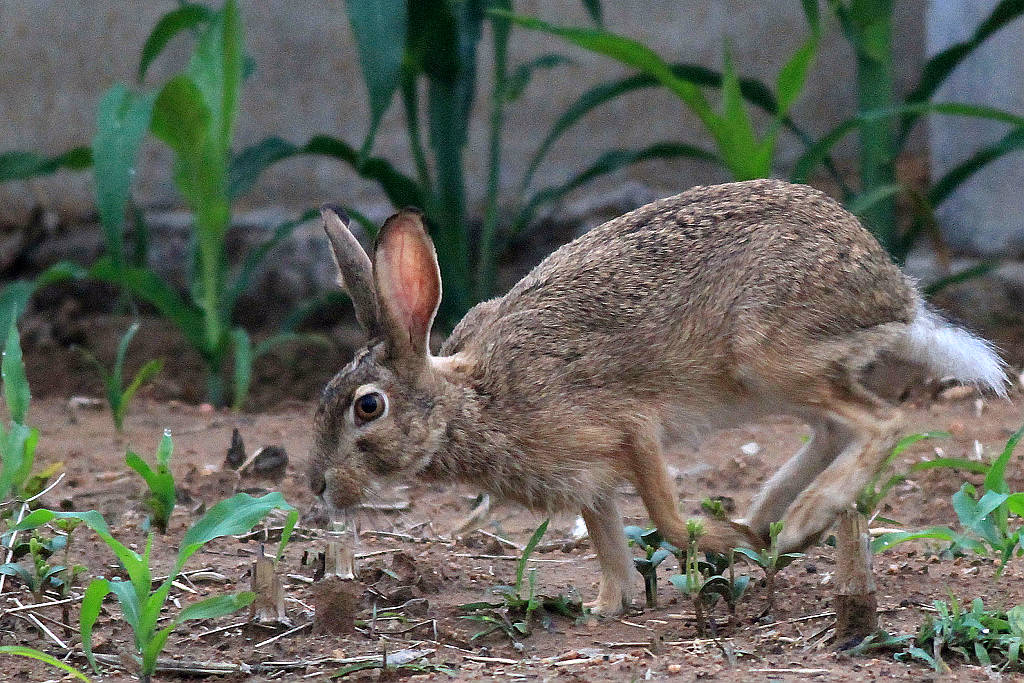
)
(517, 81)
(217, 606)
(148, 371)
(181, 117)
(160, 481)
(25, 165)
(130, 600)
(1015, 504)
(937, 69)
(793, 76)
(734, 132)
(216, 69)
(528, 550)
(243, 367)
(942, 188)
(122, 120)
(13, 300)
(886, 541)
(629, 52)
(236, 515)
(32, 653)
(149, 287)
(995, 480)
(122, 352)
(609, 162)
(246, 167)
(817, 152)
(754, 556)
(380, 28)
(188, 15)
(12, 370)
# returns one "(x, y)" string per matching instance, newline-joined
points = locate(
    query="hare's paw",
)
(614, 598)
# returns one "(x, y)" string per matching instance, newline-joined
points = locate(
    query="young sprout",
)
(771, 561)
(160, 481)
(656, 550)
(118, 395)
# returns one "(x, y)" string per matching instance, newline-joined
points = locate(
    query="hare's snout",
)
(337, 486)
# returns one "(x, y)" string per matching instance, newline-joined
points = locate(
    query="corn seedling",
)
(161, 498)
(771, 561)
(141, 605)
(120, 396)
(520, 601)
(17, 441)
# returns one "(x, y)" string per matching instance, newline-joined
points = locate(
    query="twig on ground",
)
(42, 627)
(289, 632)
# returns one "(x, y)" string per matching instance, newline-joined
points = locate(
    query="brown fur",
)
(693, 313)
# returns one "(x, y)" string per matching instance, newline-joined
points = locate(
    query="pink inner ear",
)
(416, 282)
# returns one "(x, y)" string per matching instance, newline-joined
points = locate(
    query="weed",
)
(118, 395)
(991, 638)
(40, 574)
(517, 608)
(699, 582)
(161, 499)
(771, 561)
(140, 604)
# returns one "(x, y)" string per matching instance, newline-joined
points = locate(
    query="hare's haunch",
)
(697, 312)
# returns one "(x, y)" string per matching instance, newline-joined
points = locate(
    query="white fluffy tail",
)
(950, 351)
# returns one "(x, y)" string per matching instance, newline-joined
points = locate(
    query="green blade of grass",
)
(24, 165)
(528, 550)
(12, 370)
(187, 16)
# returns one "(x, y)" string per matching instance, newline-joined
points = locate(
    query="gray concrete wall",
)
(986, 215)
(58, 56)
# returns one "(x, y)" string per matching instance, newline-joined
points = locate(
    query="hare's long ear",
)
(355, 273)
(408, 282)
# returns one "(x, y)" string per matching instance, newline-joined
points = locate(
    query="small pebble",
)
(750, 448)
(674, 668)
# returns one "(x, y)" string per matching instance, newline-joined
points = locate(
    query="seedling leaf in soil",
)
(32, 653)
(513, 614)
(991, 638)
(118, 395)
(702, 582)
(771, 561)
(140, 604)
(657, 550)
(160, 481)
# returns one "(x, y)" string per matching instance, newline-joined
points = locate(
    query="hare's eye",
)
(369, 406)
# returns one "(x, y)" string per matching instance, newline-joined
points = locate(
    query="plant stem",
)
(487, 260)
(872, 33)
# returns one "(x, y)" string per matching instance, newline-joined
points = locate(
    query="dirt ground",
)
(412, 558)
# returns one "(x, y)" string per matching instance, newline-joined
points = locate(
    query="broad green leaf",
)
(793, 75)
(131, 607)
(753, 555)
(188, 15)
(12, 370)
(217, 606)
(885, 541)
(244, 358)
(1015, 504)
(22, 651)
(122, 120)
(236, 515)
(181, 117)
(24, 165)
(380, 29)
(734, 131)
(216, 70)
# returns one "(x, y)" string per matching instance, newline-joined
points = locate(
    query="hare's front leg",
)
(604, 524)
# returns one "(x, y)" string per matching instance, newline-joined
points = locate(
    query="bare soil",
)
(418, 561)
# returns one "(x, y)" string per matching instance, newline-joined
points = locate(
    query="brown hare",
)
(693, 313)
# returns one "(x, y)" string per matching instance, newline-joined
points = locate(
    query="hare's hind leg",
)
(828, 439)
(604, 524)
(873, 429)
(658, 492)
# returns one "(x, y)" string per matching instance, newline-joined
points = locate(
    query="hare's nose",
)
(317, 483)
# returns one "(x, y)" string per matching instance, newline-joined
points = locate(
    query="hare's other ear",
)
(408, 282)
(355, 273)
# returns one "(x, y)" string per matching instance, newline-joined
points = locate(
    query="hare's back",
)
(762, 262)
